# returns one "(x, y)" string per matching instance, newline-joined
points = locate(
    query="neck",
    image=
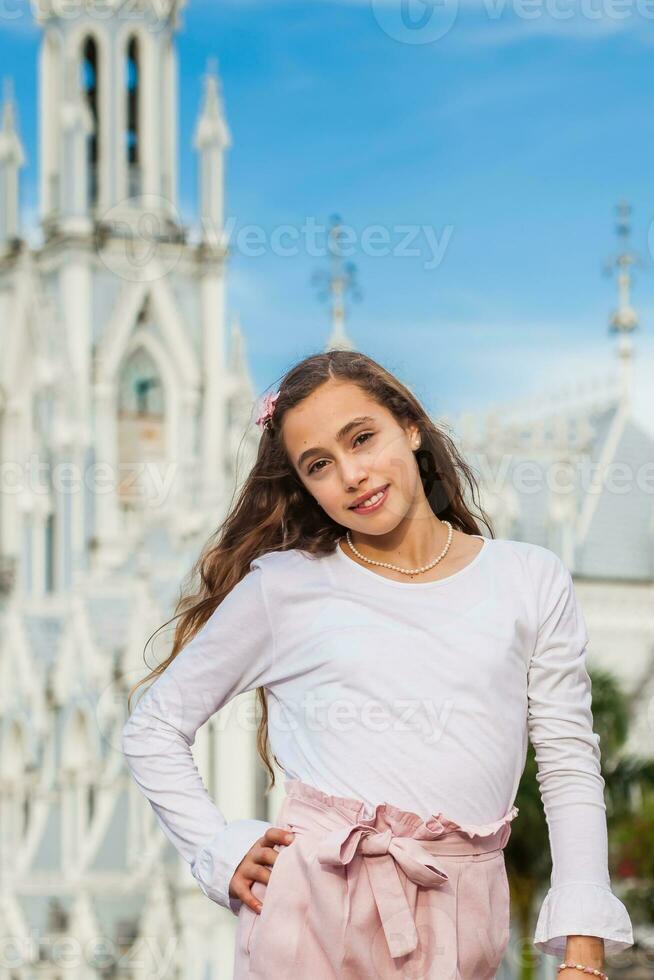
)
(410, 545)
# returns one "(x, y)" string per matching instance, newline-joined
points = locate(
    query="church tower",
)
(125, 423)
(107, 115)
(117, 367)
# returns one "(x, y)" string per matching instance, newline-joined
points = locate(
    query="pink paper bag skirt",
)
(391, 895)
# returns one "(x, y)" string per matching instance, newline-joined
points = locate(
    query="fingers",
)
(277, 835)
(251, 871)
(241, 890)
(257, 870)
(255, 865)
(266, 855)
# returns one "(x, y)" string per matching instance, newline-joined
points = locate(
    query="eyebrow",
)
(340, 435)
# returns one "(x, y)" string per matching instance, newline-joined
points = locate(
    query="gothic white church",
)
(125, 411)
(125, 422)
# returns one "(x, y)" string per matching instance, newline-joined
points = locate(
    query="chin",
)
(374, 529)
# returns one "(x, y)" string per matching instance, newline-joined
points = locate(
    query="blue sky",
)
(511, 137)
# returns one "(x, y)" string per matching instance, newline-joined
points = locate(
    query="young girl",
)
(401, 661)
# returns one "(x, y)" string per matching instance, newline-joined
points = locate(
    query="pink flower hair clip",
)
(266, 409)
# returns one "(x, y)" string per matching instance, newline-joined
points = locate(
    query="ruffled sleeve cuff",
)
(217, 859)
(582, 909)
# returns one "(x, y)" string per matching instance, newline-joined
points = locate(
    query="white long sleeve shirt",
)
(421, 694)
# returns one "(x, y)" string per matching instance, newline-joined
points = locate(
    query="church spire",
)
(12, 160)
(340, 279)
(624, 320)
(212, 138)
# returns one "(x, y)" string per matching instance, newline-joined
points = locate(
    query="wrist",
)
(588, 950)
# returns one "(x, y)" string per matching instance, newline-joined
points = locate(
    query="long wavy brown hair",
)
(274, 511)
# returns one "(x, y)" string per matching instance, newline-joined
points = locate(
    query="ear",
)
(415, 438)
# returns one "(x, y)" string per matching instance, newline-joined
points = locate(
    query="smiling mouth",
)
(371, 501)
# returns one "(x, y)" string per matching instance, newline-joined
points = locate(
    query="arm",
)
(580, 902)
(233, 652)
(588, 950)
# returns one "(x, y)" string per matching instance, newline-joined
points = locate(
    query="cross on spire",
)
(335, 284)
(624, 319)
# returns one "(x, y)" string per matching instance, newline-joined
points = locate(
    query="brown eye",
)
(313, 466)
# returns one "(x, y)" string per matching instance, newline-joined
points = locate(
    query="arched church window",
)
(133, 129)
(141, 425)
(140, 386)
(90, 87)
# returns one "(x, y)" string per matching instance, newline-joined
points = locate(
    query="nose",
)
(354, 473)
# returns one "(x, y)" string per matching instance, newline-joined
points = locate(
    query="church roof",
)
(619, 543)
(609, 513)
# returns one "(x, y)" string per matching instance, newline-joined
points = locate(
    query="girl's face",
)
(345, 447)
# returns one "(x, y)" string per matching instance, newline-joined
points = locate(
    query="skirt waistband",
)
(403, 855)
(311, 810)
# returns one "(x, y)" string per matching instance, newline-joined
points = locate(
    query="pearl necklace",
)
(396, 568)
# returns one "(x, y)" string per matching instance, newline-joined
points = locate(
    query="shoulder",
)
(549, 580)
(292, 581)
(291, 570)
(537, 566)
(533, 557)
(281, 561)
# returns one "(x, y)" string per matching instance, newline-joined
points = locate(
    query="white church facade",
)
(125, 421)
(124, 411)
